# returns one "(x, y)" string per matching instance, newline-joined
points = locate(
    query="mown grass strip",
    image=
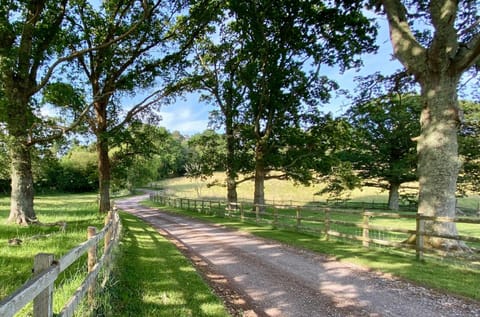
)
(152, 278)
(444, 277)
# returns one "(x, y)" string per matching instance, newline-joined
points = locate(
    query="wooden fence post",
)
(299, 218)
(365, 231)
(241, 212)
(275, 217)
(43, 303)
(91, 260)
(420, 231)
(108, 234)
(327, 223)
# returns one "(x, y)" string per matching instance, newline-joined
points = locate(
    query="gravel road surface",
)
(258, 277)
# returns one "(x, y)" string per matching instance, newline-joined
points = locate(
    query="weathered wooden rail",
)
(46, 270)
(326, 221)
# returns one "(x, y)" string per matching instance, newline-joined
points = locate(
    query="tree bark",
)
(21, 202)
(438, 162)
(259, 193)
(230, 168)
(393, 196)
(103, 175)
(231, 190)
(19, 118)
(102, 153)
(438, 69)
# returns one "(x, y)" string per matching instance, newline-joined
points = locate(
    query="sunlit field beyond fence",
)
(287, 192)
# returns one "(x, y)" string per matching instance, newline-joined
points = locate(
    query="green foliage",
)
(257, 74)
(142, 153)
(469, 148)
(379, 143)
(206, 154)
(63, 95)
(75, 172)
(383, 130)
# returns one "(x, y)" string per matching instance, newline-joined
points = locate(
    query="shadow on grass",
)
(152, 278)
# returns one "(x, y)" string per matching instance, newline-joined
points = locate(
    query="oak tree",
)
(282, 47)
(384, 119)
(145, 57)
(436, 41)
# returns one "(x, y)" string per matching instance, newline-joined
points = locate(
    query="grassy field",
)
(151, 279)
(16, 262)
(281, 192)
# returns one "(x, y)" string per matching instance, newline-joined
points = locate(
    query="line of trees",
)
(260, 62)
(84, 57)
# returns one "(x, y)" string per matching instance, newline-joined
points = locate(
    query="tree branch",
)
(79, 53)
(63, 129)
(468, 54)
(405, 46)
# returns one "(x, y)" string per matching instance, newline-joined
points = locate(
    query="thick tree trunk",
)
(438, 162)
(231, 190)
(21, 202)
(19, 119)
(102, 153)
(103, 175)
(393, 196)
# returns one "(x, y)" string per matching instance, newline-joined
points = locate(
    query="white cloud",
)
(187, 116)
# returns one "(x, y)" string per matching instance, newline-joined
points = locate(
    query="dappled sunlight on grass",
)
(16, 262)
(169, 284)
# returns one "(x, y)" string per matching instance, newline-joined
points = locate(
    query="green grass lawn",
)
(151, 279)
(16, 262)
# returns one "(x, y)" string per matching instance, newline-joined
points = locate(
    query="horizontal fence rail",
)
(362, 226)
(39, 289)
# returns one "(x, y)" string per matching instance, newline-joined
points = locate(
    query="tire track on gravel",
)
(265, 278)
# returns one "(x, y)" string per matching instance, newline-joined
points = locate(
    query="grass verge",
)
(152, 278)
(445, 277)
(16, 261)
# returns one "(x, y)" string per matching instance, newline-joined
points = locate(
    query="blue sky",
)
(189, 116)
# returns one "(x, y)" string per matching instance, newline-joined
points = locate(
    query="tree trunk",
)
(21, 202)
(103, 174)
(393, 196)
(19, 119)
(259, 194)
(438, 162)
(230, 168)
(231, 190)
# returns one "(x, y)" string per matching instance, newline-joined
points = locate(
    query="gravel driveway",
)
(258, 277)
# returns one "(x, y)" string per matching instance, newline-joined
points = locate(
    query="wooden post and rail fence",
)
(327, 222)
(46, 270)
